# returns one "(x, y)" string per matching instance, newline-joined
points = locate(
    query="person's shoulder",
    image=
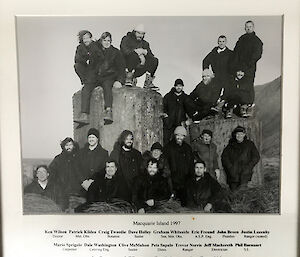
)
(136, 152)
(187, 146)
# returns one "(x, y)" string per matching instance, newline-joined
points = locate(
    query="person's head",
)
(178, 85)
(240, 74)
(139, 32)
(85, 37)
(126, 139)
(180, 134)
(239, 134)
(207, 76)
(156, 150)
(67, 145)
(152, 166)
(93, 137)
(111, 168)
(199, 168)
(105, 39)
(222, 41)
(41, 173)
(206, 136)
(249, 27)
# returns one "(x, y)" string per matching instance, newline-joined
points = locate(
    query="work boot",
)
(243, 110)
(108, 117)
(149, 82)
(129, 80)
(250, 110)
(228, 114)
(83, 118)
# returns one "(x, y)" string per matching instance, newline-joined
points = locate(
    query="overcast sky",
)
(46, 48)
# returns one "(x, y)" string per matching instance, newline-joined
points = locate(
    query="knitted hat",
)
(180, 130)
(178, 82)
(239, 129)
(140, 28)
(207, 131)
(93, 131)
(156, 145)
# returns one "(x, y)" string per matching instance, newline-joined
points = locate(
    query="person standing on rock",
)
(219, 59)
(207, 97)
(129, 161)
(247, 51)
(139, 57)
(179, 155)
(65, 170)
(206, 151)
(176, 104)
(239, 158)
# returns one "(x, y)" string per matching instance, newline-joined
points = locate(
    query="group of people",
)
(172, 172)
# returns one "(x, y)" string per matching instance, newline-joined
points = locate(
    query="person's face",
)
(199, 169)
(240, 137)
(222, 42)
(206, 138)
(152, 168)
(86, 39)
(128, 141)
(110, 168)
(139, 35)
(206, 79)
(92, 140)
(156, 153)
(42, 174)
(249, 27)
(106, 42)
(178, 88)
(240, 74)
(179, 138)
(69, 146)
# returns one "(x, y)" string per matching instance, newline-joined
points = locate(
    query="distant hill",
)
(268, 110)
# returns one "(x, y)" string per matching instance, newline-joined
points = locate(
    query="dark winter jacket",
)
(208, 154)
(176, 106)
(111, 64)
(103, 189)
(181, 162)
(129, 43)
(65, 172)
(92, 161)
(247, 51)
(146, 187)
(220, 63)
(239, 159)
(204, 94)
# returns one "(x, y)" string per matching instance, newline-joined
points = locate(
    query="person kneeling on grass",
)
(150, 187)
(204, 192)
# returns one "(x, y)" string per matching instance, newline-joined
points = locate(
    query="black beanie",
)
(239, 129)
(178, 81)
(207, 131)
(156, 145)
(93, 131)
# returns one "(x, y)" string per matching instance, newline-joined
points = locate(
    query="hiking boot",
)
(250, 110)
(228, 114)
(218, 107)
(243, 110)
(108, 117)
(149, 82)
(83, 118)
(129, 80)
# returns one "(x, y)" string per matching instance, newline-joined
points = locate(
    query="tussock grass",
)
(38, 204)
(116, 206)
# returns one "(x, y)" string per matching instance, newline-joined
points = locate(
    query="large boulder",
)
(135, 109)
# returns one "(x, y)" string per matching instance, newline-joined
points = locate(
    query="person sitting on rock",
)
(163, 165)
(239, 96)
(129, 161)
(106, 185)
(239, 158)
(176, 105)
(44, 185)
(179, 155)
(149, 187)
(204, 192)
(86, 67)
(207, 97)
(206, 151)
(139, 57)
